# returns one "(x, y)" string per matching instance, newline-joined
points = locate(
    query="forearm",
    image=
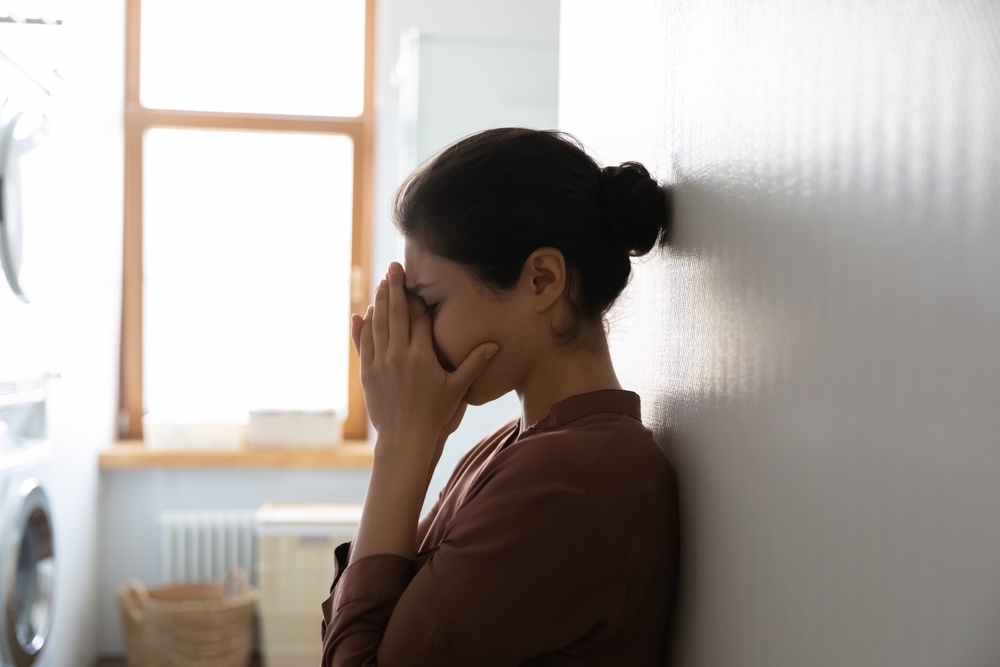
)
(433, 466)
(392, 505)
(430, 474)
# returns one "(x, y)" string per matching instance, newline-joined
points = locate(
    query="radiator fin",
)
(202, 545)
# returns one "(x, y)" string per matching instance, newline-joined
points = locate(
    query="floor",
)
(120, 662)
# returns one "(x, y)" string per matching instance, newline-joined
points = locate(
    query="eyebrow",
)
(416, 288)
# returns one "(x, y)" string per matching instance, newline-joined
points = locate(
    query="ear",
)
(544, 273)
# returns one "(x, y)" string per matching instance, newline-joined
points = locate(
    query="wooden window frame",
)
(138, 119)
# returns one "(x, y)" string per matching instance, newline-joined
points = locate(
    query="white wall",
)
(818, 352)
(71, 327)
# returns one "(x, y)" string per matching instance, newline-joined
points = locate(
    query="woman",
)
(554, 542)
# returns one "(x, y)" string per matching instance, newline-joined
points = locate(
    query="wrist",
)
(390, 515)
(413, 448)
(407, 432)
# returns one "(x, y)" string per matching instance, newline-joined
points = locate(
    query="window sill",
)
(132, 454)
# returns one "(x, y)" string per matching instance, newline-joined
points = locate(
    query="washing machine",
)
(28, 79)
(27, 549)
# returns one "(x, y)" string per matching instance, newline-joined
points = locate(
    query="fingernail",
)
(490, 351)
(382, 284)
(395, 268)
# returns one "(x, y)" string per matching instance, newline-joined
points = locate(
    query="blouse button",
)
(440, 643)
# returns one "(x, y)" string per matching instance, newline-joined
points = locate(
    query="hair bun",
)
(638, 208)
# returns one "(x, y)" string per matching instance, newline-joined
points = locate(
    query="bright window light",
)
(293, 57)
(247, 269)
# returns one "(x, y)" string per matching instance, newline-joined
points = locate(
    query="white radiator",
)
(202, 545)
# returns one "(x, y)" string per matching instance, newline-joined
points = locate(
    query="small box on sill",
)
(161, 432)
(295, 428)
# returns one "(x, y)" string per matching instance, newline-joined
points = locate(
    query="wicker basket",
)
(189, 625)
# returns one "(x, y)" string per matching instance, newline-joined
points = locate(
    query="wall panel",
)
(818, 349)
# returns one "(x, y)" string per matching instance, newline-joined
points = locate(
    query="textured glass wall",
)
(819, 351)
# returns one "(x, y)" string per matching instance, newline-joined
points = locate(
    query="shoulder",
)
(601, 480)
(600, 454)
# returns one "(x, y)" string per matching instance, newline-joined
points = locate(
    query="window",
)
(248, 179)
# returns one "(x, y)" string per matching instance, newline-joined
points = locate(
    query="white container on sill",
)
(295, 428)
(160, 432)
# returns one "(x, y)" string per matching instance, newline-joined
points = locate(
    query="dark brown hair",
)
(491, 199)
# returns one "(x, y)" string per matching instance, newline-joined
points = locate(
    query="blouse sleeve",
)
(504, 585)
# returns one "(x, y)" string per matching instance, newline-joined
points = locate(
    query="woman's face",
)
(466, 313)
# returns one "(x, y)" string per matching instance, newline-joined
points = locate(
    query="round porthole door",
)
(28, 577)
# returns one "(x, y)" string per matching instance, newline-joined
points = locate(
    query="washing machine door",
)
(27, 574)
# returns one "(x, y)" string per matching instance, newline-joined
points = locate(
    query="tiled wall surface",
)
(818, 350)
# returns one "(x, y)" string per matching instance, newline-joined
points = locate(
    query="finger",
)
(471, 368)
(421, 334)
(367, 342)
(417, 307)
(380, 322)
(399, 314)
(356, 322)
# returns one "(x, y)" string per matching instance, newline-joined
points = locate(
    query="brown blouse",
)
(552, 546)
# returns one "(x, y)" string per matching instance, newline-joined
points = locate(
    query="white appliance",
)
(27, 549)
(27, 545)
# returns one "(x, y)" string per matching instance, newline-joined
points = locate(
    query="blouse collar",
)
(579, 405)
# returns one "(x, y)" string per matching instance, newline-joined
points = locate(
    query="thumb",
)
(474, 364)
